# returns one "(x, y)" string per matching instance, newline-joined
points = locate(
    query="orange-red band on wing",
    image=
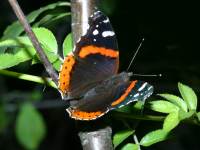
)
(64, 76)
(128, 90)
(82, 115)
(87, 50)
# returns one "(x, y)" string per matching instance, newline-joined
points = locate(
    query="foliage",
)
(178, 110)
(30, 127)
(16, 48)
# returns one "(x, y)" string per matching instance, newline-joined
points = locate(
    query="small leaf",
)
(47, 39)
(57, 64)
(67, 45)
(30, 128)
(16, 42)
(186, 115)
(15, 29)
(175, 100)
(188, 95)
(8, 60)
(121, 136)
(153, 137)
(130, 146)
(171, 121)
(163, 106)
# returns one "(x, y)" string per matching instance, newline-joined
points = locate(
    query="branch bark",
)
(22, 19)
(97, 140)
(100, 139)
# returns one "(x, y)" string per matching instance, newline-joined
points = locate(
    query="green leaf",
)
(175, 100)
(67, 45)
(25, 53)
(4, 119)
(15, 29)
(163, 106)
(186, 115)
(130, 146)
(153, 137)
(30, 127)
(188, 95)
(57, 64)
(47, 39)
(8, 60)
(171, 121)
(16, 42)
(121, 136)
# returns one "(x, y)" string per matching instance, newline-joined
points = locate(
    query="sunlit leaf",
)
(67, 45)
(153, 137)
(57, 64)
(8, 60)
(175, 100)
(121, 136)
(186, 115)
(188, 95)
(163, 106)
(130, 146)
(47, 39)
(30, 127)
(171, 121)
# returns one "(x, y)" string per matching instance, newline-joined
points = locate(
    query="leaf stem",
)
(28, 77)
(138, 117)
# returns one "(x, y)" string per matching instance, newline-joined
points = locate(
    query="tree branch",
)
(100, 139)
(22, 19)
(81, 11)
(97, 140)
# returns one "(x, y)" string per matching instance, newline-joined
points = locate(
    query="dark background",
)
(171, 48)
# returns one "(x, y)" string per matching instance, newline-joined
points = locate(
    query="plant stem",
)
(94, 138)
(28, 77)
(138, 117)
(81, 11)
(22, 19)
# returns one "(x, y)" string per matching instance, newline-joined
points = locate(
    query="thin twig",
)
(28, 77)
(22, 19)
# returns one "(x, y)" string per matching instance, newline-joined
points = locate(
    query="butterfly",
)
(89, 76)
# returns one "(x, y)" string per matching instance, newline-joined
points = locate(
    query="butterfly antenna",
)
(148, 75)
(135, 55)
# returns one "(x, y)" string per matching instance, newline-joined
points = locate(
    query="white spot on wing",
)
(97, 26)
(94, 40)
(106, 21)
(150, 88)
(136, 95)
(142, 87)
(95, 32)
(108, 33)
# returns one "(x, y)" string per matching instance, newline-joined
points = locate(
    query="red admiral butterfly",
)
(88, 76)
